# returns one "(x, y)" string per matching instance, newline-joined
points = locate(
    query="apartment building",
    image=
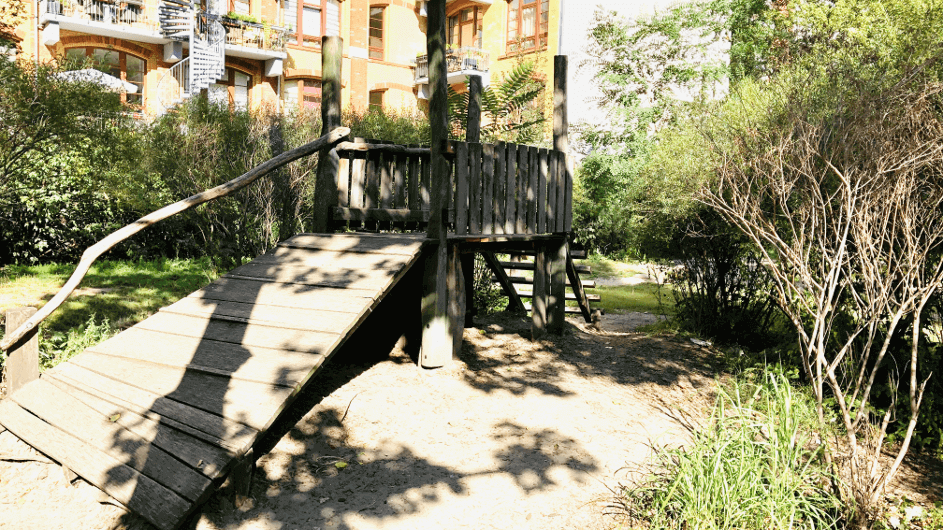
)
(253, 53)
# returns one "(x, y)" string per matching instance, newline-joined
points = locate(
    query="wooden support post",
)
(443, 297)
(473, 135)
(22, 364)
(561, 142)
(538, 303)
(325, 188)
(241, 480)
(556, 291)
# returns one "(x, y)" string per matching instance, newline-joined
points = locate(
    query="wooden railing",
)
(494, 189)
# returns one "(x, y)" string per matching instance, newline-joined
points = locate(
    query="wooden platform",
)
(160, 414)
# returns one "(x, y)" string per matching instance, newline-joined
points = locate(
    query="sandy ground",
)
(515, 434)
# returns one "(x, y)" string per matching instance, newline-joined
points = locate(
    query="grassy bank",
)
(114, 295)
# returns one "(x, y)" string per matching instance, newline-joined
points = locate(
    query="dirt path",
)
(515, 434)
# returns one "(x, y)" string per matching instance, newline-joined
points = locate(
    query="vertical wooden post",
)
(556, 295)
(325, 188)
(22, 364)
(443, 298)
(538, 306)
(472, 135)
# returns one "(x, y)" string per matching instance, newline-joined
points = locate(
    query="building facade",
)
(266, 53)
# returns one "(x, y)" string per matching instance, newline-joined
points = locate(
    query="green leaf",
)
(340, 465)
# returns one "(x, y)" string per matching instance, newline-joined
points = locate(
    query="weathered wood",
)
(246, 363)
(327, 259)
(438, 122)
(474, 188)
(380, 214)
(358, 178)
(305, 275)
(461, 188)
(399, 182)
(528, 266)
(523, 176)
(277, 294)
(551, 207)
(560, 209)
(556, 301)
(223, 190)
(241, 479)
(542, 171)
(569, 296)
(156, 503)
(541, 291)
(487, 189)
(404, 244)
(568, 195)
(589, 284)
(500, 188)
(22, 364)
(386, 180)
(577, 285)
(473, 125)
(240, 333)
(443, 325)
(253, 404)
(425, 183)
(209, 427)
(343, 180)
(372, 183)
(326, 187)
(532, 163)
(205, 457)
(510, 205)
(73, 417)
(413, 178)
(411, 150)
(514, 301)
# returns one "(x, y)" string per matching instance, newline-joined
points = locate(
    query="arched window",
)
(120, 64)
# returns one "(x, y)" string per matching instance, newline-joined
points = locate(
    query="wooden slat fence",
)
(495, 189)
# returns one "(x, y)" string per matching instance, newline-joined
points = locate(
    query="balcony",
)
(254, 41)
(460, 63)
(122, 19)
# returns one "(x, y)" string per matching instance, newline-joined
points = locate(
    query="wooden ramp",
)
(160, 414)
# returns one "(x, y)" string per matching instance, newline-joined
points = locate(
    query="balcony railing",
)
(256, 36)
(132, 14)
(456, 60)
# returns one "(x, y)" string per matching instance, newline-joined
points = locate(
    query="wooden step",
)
(570, 310)
(576, 254)
(529, 266)
(569, 296)
(587, 284)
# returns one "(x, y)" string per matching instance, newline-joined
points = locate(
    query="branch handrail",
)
(95, 251)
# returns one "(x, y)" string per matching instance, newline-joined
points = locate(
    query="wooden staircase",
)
(522, 261)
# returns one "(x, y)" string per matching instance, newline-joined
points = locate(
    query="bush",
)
(756, 464)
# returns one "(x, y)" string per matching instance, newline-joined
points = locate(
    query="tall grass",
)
(755, 465)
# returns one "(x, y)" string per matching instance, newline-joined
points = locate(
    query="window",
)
(376, 33)
(528, 22)
(465, 28)
(122, 65)
(232, 90)
(310, 19)
(376, 100)
(309, 91)
(239, 6)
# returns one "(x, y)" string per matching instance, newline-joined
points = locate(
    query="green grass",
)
(753, 465)
(132, 290)
(642, 298)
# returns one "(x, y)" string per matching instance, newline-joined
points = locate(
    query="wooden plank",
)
(560, 224)
(487, 189)
(276, 316)
(523, 181)
(551, 207)
(387, 161)
(331, 258)
(247, 363)
(209, 459)
(212, 428)
(358, 177)
(305, 275)
(73, 417)
(514, 301)
(569, 310)
(500, 187)
(533, 162)
(244, 334)
(577, 285)
(343, 180)
(588, 284)
(542, 171)
(412, 186)
(529, 266)
(474, 188)
(461, 188)
(403, 244)
(510, 205)
(384, 147)
(425, 180)
(569, 296)
(253, 404)
(22, 364)
(380, 214)
(279, 295)
(568, 196)
(400, 172)
(141, 494)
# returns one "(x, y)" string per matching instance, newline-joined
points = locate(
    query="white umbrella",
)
(98, 77)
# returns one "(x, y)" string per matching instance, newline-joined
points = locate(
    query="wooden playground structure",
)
(161, 414)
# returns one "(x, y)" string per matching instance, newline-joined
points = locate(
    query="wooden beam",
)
(22, 364)
(326, 186)
(561, 144)
(515, 305)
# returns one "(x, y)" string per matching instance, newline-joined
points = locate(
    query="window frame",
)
(301, 83)
(540, 35)
(139, 96)
(299, 34)
(230, 84)
(477, 24)
(381, 93)
(381, 50)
